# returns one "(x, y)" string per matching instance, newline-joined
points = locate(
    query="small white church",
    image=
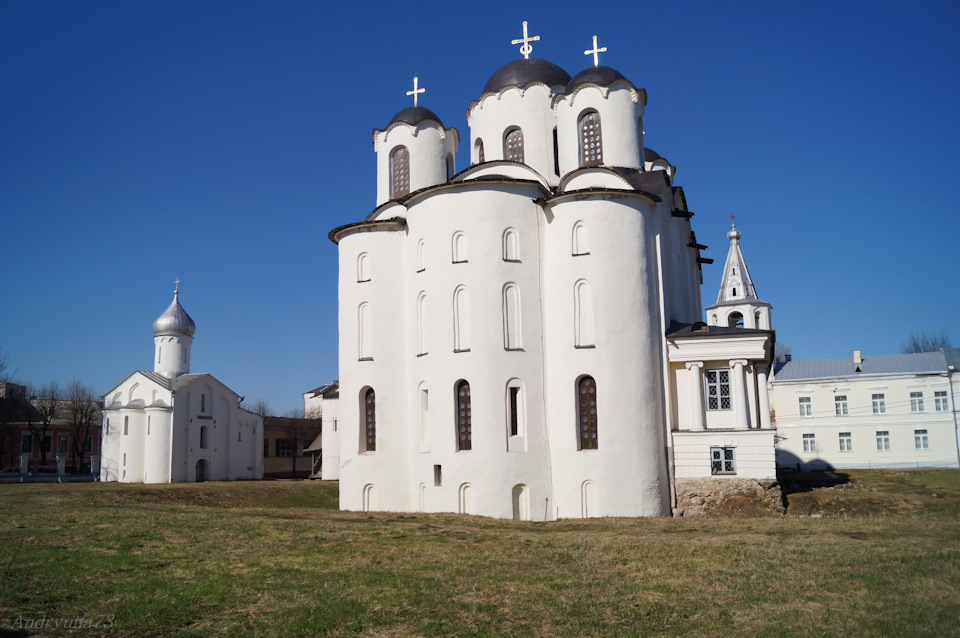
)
(171, 426)
(524, 338)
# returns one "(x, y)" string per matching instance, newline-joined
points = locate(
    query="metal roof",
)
(891, 364)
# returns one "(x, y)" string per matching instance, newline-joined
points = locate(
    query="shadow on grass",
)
(802, 481)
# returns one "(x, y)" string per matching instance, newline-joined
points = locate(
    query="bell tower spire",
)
(737, 302)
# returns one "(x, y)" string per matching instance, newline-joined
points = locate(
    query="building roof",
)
(891, 364)
(413, 115)
(650, 155)
(952, 356)
(700, 329)
(524, 71)
(736, 286)
(599, 75)
(174, 321)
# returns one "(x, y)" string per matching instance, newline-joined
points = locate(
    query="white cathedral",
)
(523, 339)
(170, 426)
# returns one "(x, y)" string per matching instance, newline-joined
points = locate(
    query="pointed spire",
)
(736, 284)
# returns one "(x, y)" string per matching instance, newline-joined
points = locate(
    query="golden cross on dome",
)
(595, 51)
(733, 219)
(415, 91)
(526, 49)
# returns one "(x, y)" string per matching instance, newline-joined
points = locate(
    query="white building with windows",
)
(171, 426)
(892, 411)
(324, 403)
(524, 338)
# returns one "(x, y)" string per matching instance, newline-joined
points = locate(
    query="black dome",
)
(413, 115)
(602, 75)
(522, 72)
(650, 155)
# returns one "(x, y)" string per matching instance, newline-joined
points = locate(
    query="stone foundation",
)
(695, 496)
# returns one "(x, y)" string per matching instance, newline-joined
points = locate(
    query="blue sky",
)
(220, 141)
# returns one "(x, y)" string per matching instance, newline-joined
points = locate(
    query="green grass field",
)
(878, 556)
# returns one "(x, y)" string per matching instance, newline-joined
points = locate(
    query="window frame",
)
(596, 159)
(883, 440)
(728, 462)
(916, 403)
(846, 441)
(718, 385)
(516, 134)
(399, 188)
(940, 401)
(463, 416)
(921, 439)
(805, 405)
(809, 443)
(369, 424)
(588, 421)
(879, 402)
(284, 448)
(840, 405)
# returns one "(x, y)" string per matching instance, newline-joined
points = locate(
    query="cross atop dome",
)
(526, 49)
(176, 285)
(595, 51)
(415, 91)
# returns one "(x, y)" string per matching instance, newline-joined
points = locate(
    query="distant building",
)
(324, 402)
(286, 443)
(890, 411)
(171, 426)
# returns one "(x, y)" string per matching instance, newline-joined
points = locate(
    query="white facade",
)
(894, 411)
(324, 403)
(170, 426)
(476, 311)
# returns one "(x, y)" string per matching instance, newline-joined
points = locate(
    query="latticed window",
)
(464, 417)
(722, 460)
(920, 439)
(718, 389)
(513, 146)
(916, 401)
(591, 148)
(370, 404)
(809, 443)
(587, 400)
(399, 172)
(806, 406)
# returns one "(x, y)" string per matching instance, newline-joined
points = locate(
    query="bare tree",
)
(259, 406)
(83, 410)
(4, 366)
(925, 342)
(298, 429)
(48, 402)
(780, 352)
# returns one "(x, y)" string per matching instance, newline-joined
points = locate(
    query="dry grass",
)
(278, 559)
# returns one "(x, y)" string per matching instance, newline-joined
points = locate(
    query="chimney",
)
(788, 357)
(857, 360)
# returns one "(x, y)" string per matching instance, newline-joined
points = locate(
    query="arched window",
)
(459, 247)
(513, 146)
(464, 419)
(421, 259)
(583, 315)
(587, 413)
(450, 165)
(369, 428)
(203, 403)
(735, 320)
(580, 245)
(421, 322)
(364, 333)
(399, 172)
(363, 267)
(203, 437)
(510, 248)
(480, 156)
(461, 320)
(511, 317)
(591, 146)
(126, 425)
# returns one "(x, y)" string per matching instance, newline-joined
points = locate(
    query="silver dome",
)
(174, 321)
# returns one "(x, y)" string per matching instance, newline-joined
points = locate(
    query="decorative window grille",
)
(399, 172)
(722, 460)
(591, 148)
(587, 424)
(370, 404)
(718, 389)
(513, 146)
(464, 417)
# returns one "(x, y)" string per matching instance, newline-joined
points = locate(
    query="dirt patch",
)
(740, 506)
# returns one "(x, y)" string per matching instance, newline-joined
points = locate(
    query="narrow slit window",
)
(399, 172)
(587, 413)
(464, 417)
(370, 420)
